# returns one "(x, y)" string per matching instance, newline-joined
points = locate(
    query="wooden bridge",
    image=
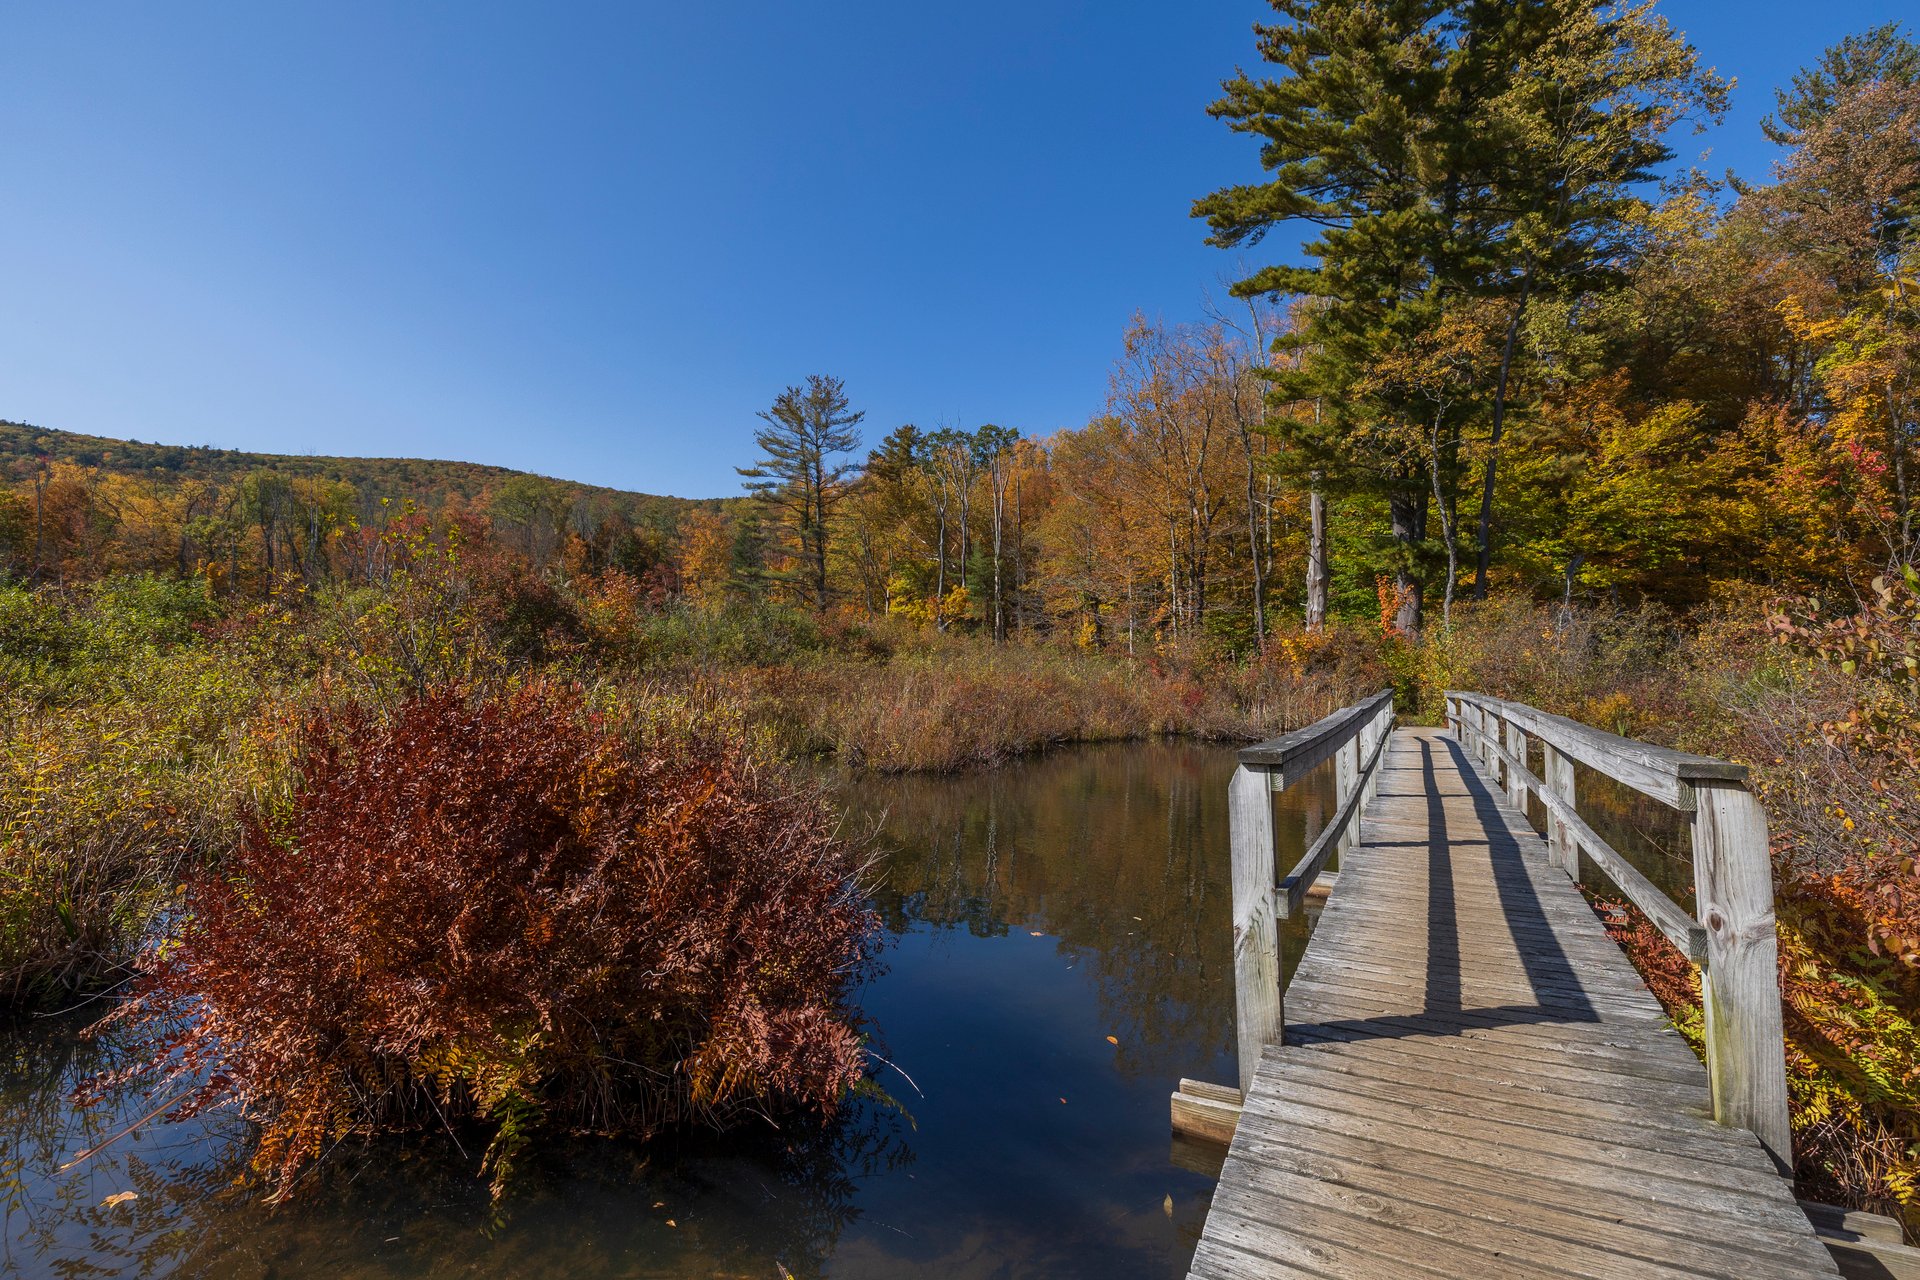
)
(1465, 1077)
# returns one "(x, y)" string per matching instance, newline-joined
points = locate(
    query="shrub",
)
(1828, 717)
(114, 777)
(736, 634)
(504, 910)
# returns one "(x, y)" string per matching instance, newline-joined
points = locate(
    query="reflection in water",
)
(1656, 839)
(1035, 911)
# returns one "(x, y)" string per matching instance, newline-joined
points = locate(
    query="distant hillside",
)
(426, 481)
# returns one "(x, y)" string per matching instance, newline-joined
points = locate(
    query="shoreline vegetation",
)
(1533, 422)
(154, 733)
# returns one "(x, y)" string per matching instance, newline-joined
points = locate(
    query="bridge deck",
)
(1475, 1083)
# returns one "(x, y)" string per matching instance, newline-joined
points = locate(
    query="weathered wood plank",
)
(1740, 985)
(1256, 933)
(1204, 1111)
(1294, 755)
(1661, 772)
(1338, 834)
(1576, 837)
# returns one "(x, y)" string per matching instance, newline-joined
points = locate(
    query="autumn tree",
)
(1580, 98)
(706, 557)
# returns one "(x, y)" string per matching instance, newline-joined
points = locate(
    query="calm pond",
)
(1058, 957)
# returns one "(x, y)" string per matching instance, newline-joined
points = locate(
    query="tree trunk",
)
(940, 566)
(1253, 551)
(999, 522)
(1316, 558)
(1484, 549)
(1446, 527)
(1019, 563)
(1408, 514)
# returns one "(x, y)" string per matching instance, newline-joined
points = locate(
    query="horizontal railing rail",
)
(1731, 934)
(1354, 739)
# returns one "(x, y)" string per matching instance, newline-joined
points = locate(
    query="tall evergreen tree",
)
(1353, 134)
(798, 477)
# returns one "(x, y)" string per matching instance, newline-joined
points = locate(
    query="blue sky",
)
(590, 240)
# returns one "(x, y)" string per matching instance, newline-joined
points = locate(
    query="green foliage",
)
(1882, 53)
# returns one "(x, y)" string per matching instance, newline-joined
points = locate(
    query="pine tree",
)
(1882, 53)
(1450, 153)
(1354, 136)
(798, 479)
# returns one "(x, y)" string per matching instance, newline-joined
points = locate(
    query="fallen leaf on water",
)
(119, 1197)
(1113, 1039)
(1168, 1206)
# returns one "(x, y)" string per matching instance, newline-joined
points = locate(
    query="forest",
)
(1534, 411)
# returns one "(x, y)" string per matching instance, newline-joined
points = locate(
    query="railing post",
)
(1496, 767)
(1258, 1016)
(1346, 773)
(1562, 850)
(1740, 986)
(1517, 748)
(1382, 727)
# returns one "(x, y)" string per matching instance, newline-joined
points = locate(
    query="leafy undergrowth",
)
(959, 703)
(1828, 718)
(508, 911)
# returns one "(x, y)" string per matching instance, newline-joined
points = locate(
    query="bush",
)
(115, 775)
(737, 634)
(503, 910)
(1828, 717)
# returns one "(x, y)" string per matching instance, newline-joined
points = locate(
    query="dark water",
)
(1034, 912)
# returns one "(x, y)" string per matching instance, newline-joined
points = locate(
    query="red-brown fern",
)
(502, 909)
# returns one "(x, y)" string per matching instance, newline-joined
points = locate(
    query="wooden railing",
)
(1353, 739)
(1731, 936)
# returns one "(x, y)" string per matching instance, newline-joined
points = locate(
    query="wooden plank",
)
(1557, 795)
(1517, 783)
(1208, 1117)
(1293, 890)
(1474, 1245)
(1292, 756)
(1873, 1259)
(1852, 1224)
(1576, 837)
(1503, 1201)
(1256, 934)
(1660, 772)
(1625, 1221)
(1740, 987)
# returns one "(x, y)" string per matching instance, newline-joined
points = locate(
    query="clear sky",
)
(590, 240)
